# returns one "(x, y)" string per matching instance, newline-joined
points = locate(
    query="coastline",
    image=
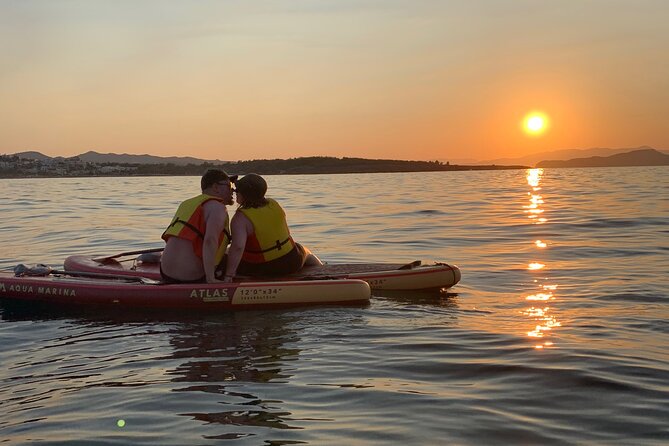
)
(73, 168)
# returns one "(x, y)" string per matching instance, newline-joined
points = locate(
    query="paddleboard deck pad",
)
(380, 276)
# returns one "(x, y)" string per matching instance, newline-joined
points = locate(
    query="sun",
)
(535, 123)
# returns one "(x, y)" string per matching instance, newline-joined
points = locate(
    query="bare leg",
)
(311, 259)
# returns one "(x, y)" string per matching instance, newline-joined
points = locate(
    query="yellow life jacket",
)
(270, 238)
(188, 223)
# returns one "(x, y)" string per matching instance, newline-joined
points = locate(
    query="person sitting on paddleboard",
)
(261, 241)
(199, 233)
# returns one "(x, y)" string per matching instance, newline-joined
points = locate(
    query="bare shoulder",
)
(240, 220)
(214, 207)
(214, 204)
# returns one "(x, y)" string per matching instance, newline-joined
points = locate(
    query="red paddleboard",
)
(380, 276)
(67, 288)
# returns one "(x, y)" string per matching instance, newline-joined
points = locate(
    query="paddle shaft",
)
(103, 276)
(129, 253)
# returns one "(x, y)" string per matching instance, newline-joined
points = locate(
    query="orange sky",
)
(377, 79)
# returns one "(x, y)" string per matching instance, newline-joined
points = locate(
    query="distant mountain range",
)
(563, 154)
(642, 157)
(125, 158)
(33, 156)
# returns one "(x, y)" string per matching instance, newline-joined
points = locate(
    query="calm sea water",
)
(557, 334)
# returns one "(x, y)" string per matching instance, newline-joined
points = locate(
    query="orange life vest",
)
(188, 223)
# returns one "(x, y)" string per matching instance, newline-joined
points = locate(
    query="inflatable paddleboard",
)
(133, 291)
(380, 276)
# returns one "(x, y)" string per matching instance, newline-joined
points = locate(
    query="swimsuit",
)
(168, 279)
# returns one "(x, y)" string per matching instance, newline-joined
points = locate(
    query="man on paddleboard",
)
(199, 233)
(261, 243)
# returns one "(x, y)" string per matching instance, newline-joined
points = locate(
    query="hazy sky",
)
(373, 78)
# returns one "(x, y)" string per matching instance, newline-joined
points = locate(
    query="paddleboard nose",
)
(456, 274)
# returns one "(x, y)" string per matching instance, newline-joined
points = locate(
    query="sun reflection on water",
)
(542, 318)
(534, 177)
(540, 296)
(533, 209)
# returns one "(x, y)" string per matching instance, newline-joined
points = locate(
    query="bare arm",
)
(215, 215)
(240, 231)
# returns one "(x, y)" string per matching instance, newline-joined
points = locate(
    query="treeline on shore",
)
(303, 165)
(311, 165)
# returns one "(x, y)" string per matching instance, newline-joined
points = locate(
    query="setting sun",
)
(535, 123)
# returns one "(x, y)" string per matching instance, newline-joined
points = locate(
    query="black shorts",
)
(168, 279)
(290, 263)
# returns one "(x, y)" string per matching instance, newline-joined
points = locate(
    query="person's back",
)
(270, 237)
(199, 233)
(262, 244)
(179, 262)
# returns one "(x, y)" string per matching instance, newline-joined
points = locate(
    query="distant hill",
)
(325, 164)
(15, 167)
(562, 154)
(643, 157)
(32, 155)
(364, 164)
(125, 158)
(530, 160)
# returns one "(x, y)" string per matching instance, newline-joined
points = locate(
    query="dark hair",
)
(212, 176)
(253, 187)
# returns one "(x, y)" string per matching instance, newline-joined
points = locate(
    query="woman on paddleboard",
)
(261, 241)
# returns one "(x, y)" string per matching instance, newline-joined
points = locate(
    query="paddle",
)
(412, 265)
(41, 270)
(129, 253)
(127, 278)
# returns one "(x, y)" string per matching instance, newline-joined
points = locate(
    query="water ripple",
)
(556, 335)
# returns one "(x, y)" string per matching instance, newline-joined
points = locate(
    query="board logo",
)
(210, 295)
(29, 289)
(17, 288)
(56, 291)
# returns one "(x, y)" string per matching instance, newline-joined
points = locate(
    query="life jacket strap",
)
(278, 246)
(196, 230)
(188, 225)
